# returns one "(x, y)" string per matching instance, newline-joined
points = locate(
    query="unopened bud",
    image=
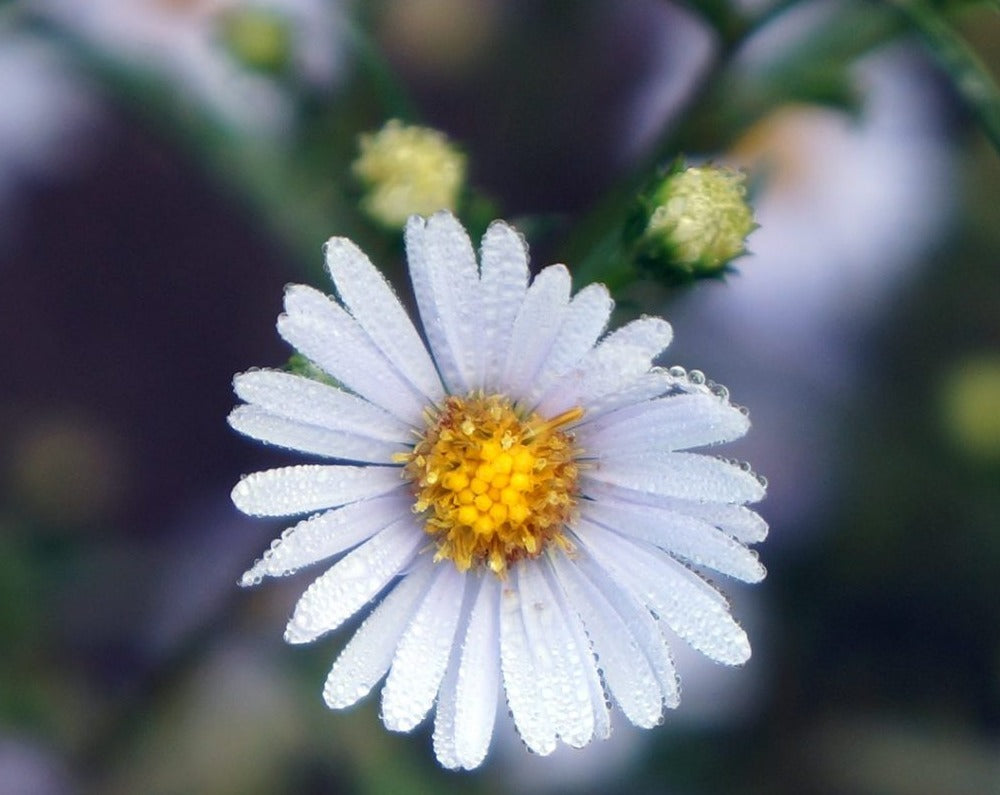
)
(693, 223)
(408, 170)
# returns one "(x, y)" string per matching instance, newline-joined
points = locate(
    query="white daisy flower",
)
(184, 42)
(519, 499)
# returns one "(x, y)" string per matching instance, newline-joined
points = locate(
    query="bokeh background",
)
(167, 166)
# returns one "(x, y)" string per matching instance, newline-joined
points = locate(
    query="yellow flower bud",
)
(408, 170)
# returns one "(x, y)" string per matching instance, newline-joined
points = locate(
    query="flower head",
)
(519, 498)
(406, 170)
(695, 221)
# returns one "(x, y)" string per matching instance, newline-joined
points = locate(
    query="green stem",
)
(967, 72)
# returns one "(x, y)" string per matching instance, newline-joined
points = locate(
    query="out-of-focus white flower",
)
(521, 496)
(204, 48)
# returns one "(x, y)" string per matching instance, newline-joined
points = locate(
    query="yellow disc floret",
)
(491, 484)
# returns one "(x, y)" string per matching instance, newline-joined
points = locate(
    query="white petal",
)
(739, 522)
(685, 602)
(423, 652)
(649, 385)
(478, 677)
(372, 302)
(689, 476)
(641, 625)
(559, 664)
(504, 256)
(599, 709)
(520, 679)
(605, 371)
(684, 536)
(623, 357)
(444, 713)
(675, 422)
(446, 285)
(583, 323)
(328, 534)
(315, 403)
(651, 334)
(736, 520)
(538, 321)
(287, 491)
(628, 673)
(367, 656)
(260, 424)
(353, 581)
(321, 330)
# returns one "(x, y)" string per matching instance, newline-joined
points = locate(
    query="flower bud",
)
(258, 38)
(408, 170)
(693, 223)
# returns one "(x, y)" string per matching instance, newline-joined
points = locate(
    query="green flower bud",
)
(258, 38)
(408, 171)
(692, 223)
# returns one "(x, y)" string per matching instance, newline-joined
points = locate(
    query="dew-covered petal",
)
(627, 671)
(478, 677)
(679, 534)
(584, 320)
(675, 422)
(322, 331)
(640, 624)
(651, 334)
(445, 281)
(350, 583)
(423, 652)
(504, 282)
(328, 534)
(650, 384)
(520, 679)
(367, 656)
(314, 403)
(375, 306)
(689, 476)
(443, 738)
(260, 424)
(681, 599)
(305, 488)
(560, 666)
(535, 328)
(599, 708)
(615, 364)
(737, 521)
(603, 372)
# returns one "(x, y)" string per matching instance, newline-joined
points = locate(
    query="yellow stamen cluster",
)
(492, 485)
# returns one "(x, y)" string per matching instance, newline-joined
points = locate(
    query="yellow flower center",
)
(492, 485)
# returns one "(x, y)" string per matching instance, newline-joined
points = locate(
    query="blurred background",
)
(167, 166)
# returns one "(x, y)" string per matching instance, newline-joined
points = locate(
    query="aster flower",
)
(219, 53)
(519, 499)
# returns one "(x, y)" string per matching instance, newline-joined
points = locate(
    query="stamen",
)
(493, 485)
